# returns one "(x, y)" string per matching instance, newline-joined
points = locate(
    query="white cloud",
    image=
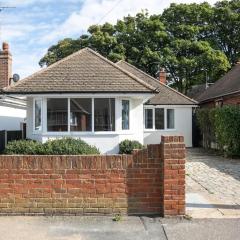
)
(92, 11)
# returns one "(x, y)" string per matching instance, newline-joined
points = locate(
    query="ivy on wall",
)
(222, 126)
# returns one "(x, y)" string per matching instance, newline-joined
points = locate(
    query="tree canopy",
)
(191, 41)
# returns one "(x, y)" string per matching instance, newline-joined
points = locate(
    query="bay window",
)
(125, 114)
(104, 114)
(80, 114)
(57, 115)
(159, 118)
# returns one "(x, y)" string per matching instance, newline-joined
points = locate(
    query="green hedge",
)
(223, 125)
(65, 146)
(127, 146)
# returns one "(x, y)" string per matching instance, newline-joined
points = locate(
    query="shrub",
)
(25, 147)
(223, 126)
(65, 146)
(127, 146)
(68, 146)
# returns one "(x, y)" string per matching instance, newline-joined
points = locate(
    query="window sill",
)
(85, 133)
(158, 130)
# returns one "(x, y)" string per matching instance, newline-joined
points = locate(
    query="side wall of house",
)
(183, 126)
(11, 118)
(107, 142)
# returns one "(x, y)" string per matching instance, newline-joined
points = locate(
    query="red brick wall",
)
(233, 99)
(150, 181)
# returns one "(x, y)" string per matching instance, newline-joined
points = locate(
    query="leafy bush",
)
(223, 126)
(65, 146)
(127, 146)
(68, 146)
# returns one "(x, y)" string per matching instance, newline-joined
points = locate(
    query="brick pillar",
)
(173, 157)
(5, 66)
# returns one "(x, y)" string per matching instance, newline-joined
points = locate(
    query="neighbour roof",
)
(196, 91)
(228, 84)
(166, 95)
(83, 71)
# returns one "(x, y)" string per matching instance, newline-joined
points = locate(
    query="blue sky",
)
(35, 25)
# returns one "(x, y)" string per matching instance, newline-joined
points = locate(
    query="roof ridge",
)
(158, 81)
(47, 68)
(122, 70)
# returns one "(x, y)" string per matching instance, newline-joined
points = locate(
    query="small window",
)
(125, 114)
(148, 118)
(170, 119)
(57, 115)
(80, 114)
(38, 114)
(104, 114)
(159, 118)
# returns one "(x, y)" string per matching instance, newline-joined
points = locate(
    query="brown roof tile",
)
(84, 71)
(166, 95)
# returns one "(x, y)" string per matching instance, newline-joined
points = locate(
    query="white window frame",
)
(75, 133)
(165, 119)
(34, 117)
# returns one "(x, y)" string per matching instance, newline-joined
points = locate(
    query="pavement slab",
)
(103, 228)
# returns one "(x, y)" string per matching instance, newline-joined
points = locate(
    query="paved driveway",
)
(213, 183)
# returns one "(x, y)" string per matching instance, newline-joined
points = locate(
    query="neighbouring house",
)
(226, 91)
(87, 96)
(12, 109)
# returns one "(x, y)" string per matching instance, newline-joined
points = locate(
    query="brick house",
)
(226, 91)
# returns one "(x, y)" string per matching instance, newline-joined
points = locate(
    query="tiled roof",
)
(196, 91)
(166, 95)
(228, 84)
(82, 72)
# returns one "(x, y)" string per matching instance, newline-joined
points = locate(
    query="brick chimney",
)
(163, 76)
(5, 66)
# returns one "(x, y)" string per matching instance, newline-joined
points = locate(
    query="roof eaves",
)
(218, 96)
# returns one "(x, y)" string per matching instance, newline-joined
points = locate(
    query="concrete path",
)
(103, 228)
(213, 185)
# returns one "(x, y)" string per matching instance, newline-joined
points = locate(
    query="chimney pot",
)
(163, 76)
(5, 46)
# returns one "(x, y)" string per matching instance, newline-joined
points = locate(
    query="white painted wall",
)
(183, 126)
(11, 117)
(107, 142)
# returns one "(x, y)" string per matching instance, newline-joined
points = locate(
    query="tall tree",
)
(184, 40)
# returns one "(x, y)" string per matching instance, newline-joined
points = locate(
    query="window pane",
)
(104, 114)
(159, 118)
(148, 118)
(81, 114)
(125, 114)
(57, 115)
(170, 118)
(38, 114)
